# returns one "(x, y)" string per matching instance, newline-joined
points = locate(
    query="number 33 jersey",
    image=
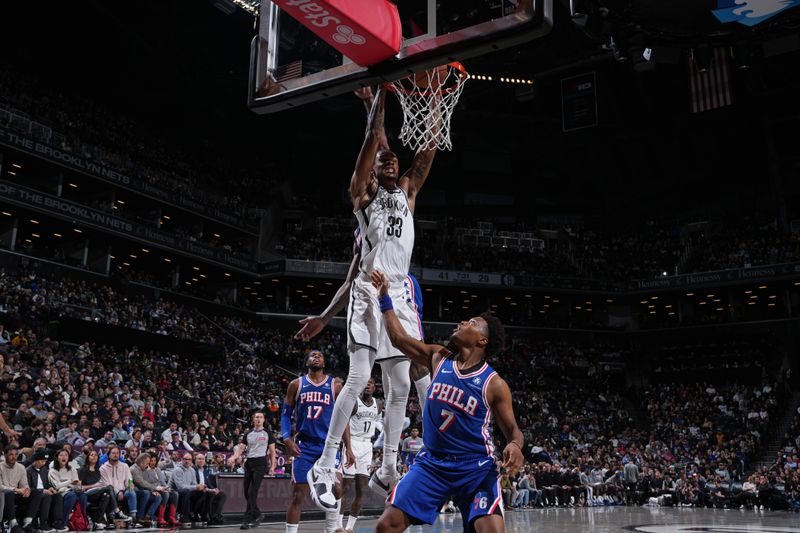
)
(457, 419)
(386, 226)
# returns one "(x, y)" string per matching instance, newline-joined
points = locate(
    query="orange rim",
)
(460, 77)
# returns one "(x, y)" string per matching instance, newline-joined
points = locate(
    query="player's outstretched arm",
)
(414, 178)
(414, 349)
(361, 182)
(313, 325)
(499, 396)
(366, 96)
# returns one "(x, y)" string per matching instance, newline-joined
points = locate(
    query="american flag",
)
(711, 89)
(289, 71)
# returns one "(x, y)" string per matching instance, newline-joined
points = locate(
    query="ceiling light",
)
(6, 213)
(73, 185)
(57, 235)
(168, 260)
(165, 217)
(145, 250)
(34, 221)
(35, 235)
(76, 230)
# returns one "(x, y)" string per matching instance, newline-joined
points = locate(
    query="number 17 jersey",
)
(386, 226)
(457, 419)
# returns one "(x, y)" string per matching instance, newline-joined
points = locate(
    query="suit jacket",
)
(211, 478)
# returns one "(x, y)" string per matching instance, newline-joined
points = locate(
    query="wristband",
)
(386, 303)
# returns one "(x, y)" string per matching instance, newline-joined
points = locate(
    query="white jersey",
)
(362, 424)
(386, 226)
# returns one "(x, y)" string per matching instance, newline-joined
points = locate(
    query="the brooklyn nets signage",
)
(707, 528)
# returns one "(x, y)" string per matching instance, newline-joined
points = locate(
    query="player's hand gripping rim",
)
(380, 282)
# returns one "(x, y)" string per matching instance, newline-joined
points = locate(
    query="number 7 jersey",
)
(457, 419)
(386, 225)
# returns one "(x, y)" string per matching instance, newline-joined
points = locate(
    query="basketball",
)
(431, 79)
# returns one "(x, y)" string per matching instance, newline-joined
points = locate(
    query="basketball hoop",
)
(428, 99)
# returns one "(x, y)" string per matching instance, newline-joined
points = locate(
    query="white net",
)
(428, 100)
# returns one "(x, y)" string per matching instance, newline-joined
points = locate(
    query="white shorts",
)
(364, 321)
(362, 449)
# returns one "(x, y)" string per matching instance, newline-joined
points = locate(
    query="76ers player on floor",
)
(458, 459)
(309, 404)
(383, 202)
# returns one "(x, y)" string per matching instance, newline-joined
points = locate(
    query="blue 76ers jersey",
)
(457, 419)
(314, 408)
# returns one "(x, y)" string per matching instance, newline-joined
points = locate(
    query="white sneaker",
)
(383, 483)
(99, 525)
(321, 482)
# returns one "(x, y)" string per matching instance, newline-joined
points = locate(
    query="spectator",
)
(177, 443)
(213, 499)
(148, 493)
(190, 491)
(50, 513)
(64, 479)
(169, 498)
(117, 475)
(99, 495)
(16, 491)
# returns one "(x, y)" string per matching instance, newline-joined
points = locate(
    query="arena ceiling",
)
(181, 66)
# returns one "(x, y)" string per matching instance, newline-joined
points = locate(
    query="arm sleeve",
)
(286, 420)
(56, 482)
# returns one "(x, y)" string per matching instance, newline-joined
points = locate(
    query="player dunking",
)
(366, 416)
(383, 202)
(309, 404)
(464, 396)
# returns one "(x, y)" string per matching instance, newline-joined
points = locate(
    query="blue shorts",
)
(309, 453)
(472, 482)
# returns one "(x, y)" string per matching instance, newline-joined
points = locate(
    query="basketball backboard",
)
(290, 66)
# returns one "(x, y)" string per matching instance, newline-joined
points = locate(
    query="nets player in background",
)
(257, 444)
(366, 417)
(464, 396)
(383, 202)
(309, 404)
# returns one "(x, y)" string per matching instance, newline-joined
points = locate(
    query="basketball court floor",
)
(601, 520)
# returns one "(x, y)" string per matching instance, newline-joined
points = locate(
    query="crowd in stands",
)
(27, 296)
(643, 251)
(89, 130)
(739, 244)
(690, 443)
